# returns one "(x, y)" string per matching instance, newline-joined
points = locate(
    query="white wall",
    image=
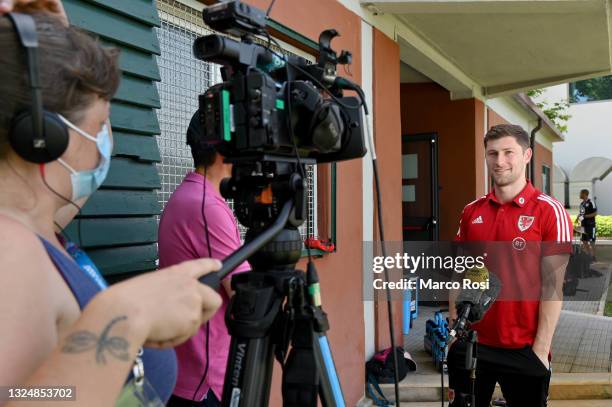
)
(510, 110)
(603, 192)
(589, 134)
(554, 94)
(368, 196)
(558, 191)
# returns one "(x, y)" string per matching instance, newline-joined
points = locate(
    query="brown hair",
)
(508, 130)
(73, 67)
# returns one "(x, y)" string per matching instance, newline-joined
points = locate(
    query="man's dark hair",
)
(508, 130)
(584, 191)
(203, 153)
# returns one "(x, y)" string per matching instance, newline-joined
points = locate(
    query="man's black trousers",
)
(523, 378)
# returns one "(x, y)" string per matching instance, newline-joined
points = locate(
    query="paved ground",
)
(582, 343)
(583, 339)
(591, 290)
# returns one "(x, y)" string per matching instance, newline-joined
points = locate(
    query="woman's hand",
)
(54, 7)
(170, 305)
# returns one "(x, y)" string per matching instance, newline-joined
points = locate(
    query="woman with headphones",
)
(60, 324)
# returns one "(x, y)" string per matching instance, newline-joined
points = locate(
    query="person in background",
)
(196, 223)
(586, 218)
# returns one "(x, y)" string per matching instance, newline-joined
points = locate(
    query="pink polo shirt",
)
(182, 237)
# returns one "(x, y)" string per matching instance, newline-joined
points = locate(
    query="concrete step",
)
(563, 386)
(552, 403)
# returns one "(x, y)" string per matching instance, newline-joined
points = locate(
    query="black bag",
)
(379, 369)
(380, 366)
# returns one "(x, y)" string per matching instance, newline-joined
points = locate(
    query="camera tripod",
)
(274, 306)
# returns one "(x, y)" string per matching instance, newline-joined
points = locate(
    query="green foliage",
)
(556, 112)
(535, 92)
(591, 89)
(604, 226)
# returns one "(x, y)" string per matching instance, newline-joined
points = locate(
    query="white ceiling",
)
(506, 46)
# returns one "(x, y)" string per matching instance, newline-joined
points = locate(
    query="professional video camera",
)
(270, 103)
(272, 115)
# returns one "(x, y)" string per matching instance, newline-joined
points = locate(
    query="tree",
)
(556, 112)
(591, 89)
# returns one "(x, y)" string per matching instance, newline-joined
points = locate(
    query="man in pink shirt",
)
(197, 222)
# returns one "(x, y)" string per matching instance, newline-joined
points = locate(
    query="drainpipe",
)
(532, 145)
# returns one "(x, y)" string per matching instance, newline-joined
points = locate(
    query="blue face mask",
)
(85, 183)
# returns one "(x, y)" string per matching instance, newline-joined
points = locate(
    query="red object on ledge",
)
(322, 245)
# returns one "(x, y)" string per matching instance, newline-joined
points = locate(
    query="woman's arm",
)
(95, 356)
(29, 303)
(97, 351)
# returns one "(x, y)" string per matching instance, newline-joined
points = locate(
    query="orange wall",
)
(427, 107)
(387, 132)
(493, 119)
(340, 273)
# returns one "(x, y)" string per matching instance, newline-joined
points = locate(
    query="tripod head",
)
(269, 199)
(260, 187)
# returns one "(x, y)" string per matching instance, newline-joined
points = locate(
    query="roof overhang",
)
(498, 47)
(551, 130)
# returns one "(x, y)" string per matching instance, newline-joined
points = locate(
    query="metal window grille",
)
(183, 78)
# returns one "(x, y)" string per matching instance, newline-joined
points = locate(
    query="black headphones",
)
(35, 134)
(196, 138)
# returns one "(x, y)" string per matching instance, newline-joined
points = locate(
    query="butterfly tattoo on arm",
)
(82, 341)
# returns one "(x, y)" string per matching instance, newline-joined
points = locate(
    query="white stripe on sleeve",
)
(563, 233)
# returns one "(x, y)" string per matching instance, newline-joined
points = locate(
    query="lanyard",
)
(85, 263)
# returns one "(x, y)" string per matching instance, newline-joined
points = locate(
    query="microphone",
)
(473, 303)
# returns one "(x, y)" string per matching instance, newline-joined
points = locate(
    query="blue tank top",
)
(159, 365)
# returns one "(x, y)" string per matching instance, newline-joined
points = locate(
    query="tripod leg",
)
(310, 370)
(300, 375)
(249, 373)
(250, 317)
(310, 366)
(331, 392)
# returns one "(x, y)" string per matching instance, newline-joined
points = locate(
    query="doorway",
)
(420, 190)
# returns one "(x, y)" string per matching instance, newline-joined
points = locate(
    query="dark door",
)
(420, 187)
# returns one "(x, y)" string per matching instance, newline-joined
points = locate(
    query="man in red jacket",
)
(515, 335)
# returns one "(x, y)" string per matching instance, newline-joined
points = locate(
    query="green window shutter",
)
(118, 225)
